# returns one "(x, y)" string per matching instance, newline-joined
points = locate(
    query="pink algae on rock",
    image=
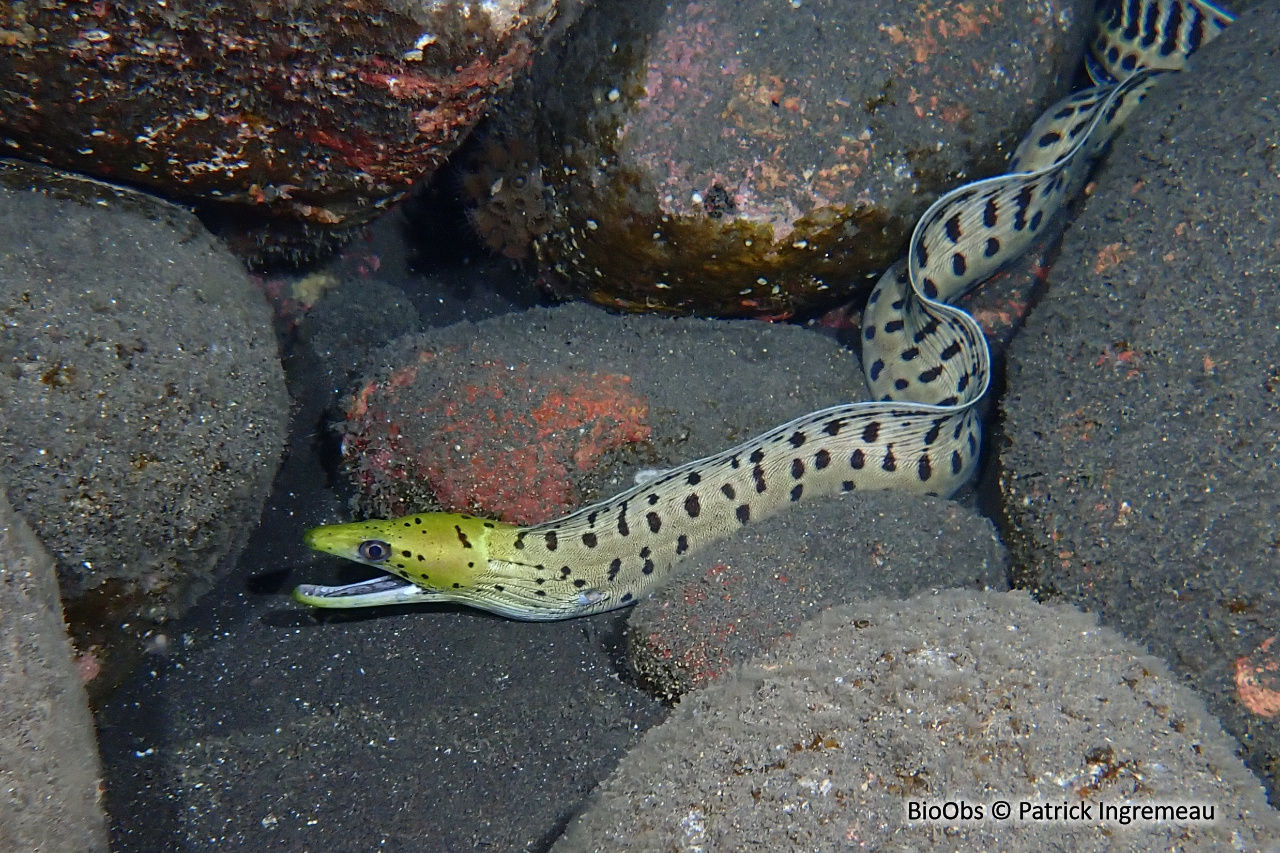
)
(1257, 677)
(505, 442)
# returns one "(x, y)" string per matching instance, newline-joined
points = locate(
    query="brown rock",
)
(312, 113)
(526, 417)
(759, 159)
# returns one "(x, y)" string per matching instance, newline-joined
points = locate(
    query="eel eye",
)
(374, 550)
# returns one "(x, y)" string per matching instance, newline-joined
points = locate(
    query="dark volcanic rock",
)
(742, 596)
(528, 416)
(313, 113)
(142, 403)
(757, 159)
(1143, 412)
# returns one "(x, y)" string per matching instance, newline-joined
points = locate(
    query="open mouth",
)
(375, 591)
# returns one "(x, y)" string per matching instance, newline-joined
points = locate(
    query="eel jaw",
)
(370, 593)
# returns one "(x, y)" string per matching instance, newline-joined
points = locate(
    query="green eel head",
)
(441, 555)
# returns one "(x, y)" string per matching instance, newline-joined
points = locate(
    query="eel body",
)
(926, 361)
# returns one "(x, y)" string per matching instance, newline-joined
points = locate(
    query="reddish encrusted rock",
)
(504, 441)
(312, 116)
(528, 416)
(762, 158)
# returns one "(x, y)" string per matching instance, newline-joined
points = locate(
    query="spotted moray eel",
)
(926, 362)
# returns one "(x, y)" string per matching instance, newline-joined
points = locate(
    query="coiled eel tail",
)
(926, 361)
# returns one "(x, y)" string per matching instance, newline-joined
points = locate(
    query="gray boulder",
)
(49, 768)
(142, 403)
(825, 742)
(1139, 461)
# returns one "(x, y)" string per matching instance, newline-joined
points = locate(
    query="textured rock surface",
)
(312, 112)
(143, 402)
(741, 596)
(528, 416)
(1144, 396)
(821, 744)
(347, 323)
(49, 767)
(755, 159)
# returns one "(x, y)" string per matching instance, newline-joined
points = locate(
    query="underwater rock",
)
(498, 440)
(757, 159)
(356, 316)
(49, 768)
(752, 591)
(525, 417)
(1140, 421)
(979, 698)
(308, 117)
(507, 205)
(142, 403)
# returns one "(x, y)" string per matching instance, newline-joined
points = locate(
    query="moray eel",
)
(926, 361)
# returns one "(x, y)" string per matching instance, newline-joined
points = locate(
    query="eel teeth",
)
(382, 590)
